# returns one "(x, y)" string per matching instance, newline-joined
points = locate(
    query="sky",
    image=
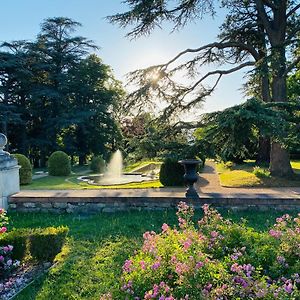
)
(21, 19)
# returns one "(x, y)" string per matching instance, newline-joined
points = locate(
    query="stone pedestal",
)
(9, 174)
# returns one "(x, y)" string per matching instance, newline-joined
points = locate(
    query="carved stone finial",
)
(3, 142)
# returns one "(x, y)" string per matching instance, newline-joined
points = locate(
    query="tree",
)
(233, 132)
(55, 96)
(273, 21)
(93, 95)
(54, 53)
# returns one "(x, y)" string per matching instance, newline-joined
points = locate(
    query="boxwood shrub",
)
(59, 164)
(45, 244)
(18, 239)
(25, 170)
(171, 173)
(97, 164)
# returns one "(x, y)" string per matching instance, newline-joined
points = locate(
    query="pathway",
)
(207, 187)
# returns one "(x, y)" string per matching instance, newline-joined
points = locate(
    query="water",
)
(115, 166)
(114, 175)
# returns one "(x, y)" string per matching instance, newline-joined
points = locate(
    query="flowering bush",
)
(6, 263)
(215, 259)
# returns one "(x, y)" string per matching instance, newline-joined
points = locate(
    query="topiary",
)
(25, 170)
(59, 164)
(171, 173)
(46, 243)
(97, 164)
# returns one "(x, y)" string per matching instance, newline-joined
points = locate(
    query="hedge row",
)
(42, 244)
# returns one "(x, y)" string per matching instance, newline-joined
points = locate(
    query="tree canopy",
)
(256, 35)
(56, 95)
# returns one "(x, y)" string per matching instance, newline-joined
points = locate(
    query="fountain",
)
(114, 174)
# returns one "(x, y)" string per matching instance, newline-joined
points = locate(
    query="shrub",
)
(171, 173)
(45, 244)
(59, 164)
(25, 170)
(6, 262)
(17, 238)
(215, 259)
(260, 172)
(97, 164)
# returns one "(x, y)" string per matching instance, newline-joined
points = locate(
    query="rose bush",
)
(215, 259)
(6, 262)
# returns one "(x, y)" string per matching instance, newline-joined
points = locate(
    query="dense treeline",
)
(56, 95)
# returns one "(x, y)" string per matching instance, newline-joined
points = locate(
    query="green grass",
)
(72, 183)
(243, 176)
(140, 164)
(97, 246)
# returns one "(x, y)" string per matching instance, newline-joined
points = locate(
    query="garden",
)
(131, 255)
(69, 123)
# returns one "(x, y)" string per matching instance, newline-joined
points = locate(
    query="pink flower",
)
(275, 233)
(288, 287)
(127, 267)
(1, 258)
(156, 265)
(3, 229)
(214, 234)
(142, 264)
(199, 264)
(165, 227)
(187, 244)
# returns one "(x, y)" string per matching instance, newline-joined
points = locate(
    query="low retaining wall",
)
(113, 204)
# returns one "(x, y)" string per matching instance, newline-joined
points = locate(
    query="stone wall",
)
(102, 204)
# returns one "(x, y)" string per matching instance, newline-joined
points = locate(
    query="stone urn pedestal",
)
(190, 176)
(9, 174)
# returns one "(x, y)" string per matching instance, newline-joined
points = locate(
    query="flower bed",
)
(215, 259)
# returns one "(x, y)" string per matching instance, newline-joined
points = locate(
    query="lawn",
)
(97, 246)
(71, 182)
(244, 175)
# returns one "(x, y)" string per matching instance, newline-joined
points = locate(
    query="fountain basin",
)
(123, 179)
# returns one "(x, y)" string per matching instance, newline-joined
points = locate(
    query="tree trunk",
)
(280, 161)
(264, 148)
(82, 160)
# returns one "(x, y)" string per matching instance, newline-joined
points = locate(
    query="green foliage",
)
(45, 244)
(97, 164)
(260, 172)
(17, 238)
(234, 131)
(25, 170)
(171, 173)
(59, 164)
(56, 95)
(214, 259)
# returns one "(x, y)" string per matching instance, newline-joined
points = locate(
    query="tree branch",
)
(292, 65)
(292, 11)
(218, 45)
(264, 17)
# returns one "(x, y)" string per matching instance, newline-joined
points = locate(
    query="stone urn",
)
(190, 176)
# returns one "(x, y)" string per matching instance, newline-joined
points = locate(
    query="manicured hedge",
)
(59, 164)
(18, 239)
(25, 170)
(171, 173)
(97, 164)
(43, 244)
